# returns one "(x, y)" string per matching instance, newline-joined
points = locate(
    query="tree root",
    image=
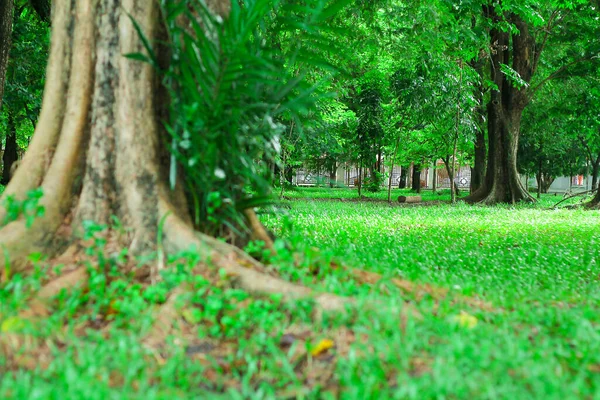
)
(180, 237)
(421, 290)
(258, 230)
(167, 315)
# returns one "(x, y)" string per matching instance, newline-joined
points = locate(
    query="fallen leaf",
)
(12, 324)
(322, 347)
(466, 320)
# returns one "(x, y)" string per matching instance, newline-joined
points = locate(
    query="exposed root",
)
(167, 315)
(421, 290)
(180, 237)
(70, 280)
(258, 230)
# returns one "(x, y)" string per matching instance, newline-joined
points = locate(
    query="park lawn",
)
(503, 302)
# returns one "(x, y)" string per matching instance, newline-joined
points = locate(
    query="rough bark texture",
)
(6, 24)
(11, 154)
(95, 152)
(505, 109)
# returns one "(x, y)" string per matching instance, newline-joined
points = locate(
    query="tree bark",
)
(96, 151)
(403, 178)
(416, 178)
(360, 172)
(480, 150)
(434, 178)
(450, 173)
(595, 172)
(332, 174)
(6, 27)
(540, 174)
(505, 109)
(11, 154)
(595, 203)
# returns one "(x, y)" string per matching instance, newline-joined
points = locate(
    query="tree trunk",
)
(403, 178)
(540, 178)
(101, 121)
(360, 168)
(6, 26)
(11, 154)
(416, 178)
(289, 175)
(392, 169)
(595, 203)
(505, 109)
(480, 151)
(595, 172)
(332, 174)
(434, 179)
(409, 174)
(453, 184)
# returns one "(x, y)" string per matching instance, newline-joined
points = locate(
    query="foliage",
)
(29, 207)
(26, 72)
(229, 90)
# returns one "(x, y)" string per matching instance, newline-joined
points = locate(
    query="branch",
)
(571, 196)
(556, 73)
(587, 147)
(538, 54)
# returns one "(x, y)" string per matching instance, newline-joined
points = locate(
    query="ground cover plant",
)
(473, 302)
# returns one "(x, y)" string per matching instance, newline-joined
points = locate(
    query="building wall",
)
(564, 183)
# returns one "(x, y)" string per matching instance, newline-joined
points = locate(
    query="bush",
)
(374, 182)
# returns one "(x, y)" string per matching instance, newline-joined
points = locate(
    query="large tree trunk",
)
(6, 25)
(505, 109)
(101, 121)
(480, 150)
(11, 154)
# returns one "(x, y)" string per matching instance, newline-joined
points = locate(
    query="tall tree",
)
(518, 38)
(98, 147)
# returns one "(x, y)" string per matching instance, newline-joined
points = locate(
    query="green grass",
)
(537, 268)
(443, 195)
(352, 193)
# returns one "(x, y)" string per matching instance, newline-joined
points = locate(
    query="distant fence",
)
(349, 177)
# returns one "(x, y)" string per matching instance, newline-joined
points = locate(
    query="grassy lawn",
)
(471, 303)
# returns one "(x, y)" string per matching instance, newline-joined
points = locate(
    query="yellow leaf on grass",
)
(466, 320)
(12, 324)
(322, 347)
